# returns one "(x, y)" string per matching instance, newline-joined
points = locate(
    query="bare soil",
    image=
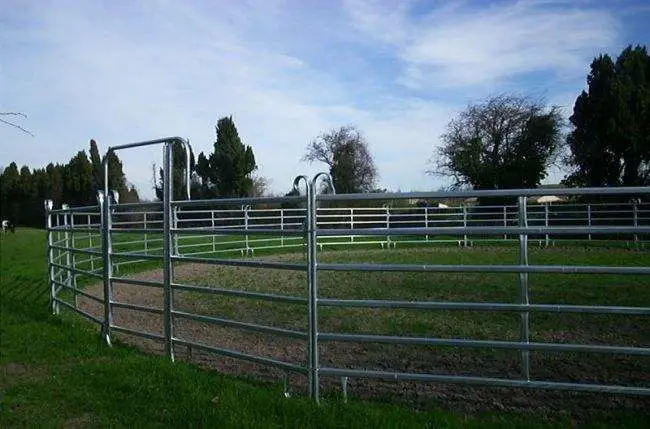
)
(466, 399)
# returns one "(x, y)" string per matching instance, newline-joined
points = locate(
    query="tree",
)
(504, 142)
(78, 180)
(178, 170)
(227, 172)
(610, 141)
(10, 123)
(345, 151)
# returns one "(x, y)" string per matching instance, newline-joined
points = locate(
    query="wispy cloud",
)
(461, 44)
(286, 69)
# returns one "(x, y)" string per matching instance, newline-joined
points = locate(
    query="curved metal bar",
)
(296, 183)
(188, 167)
(327, 178)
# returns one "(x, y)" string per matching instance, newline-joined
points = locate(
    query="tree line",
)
(506, 141)
(23, 191)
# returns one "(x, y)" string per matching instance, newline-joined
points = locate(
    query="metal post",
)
(352, 224)
(214, 238)
(426, 222)
(246, 239)
(104, 205)
(74, 262)
(546, 222)
(636, 218)
(312, 259)
(50, 255)
(146, 244)
(90, 246)
(505, 220)
(282, 227)
(175, 223)
(589, 218)
(387, 207)
(465, 225)
(523, 289)
(66, 237)
(167, 249)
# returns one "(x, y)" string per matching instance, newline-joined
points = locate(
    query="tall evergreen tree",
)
(229, 167)
(610, 142)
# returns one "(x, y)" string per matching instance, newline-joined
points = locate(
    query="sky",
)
(287, 71)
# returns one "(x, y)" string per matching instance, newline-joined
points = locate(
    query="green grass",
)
(55, 371)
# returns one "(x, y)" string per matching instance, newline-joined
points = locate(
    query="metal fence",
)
(92, 244)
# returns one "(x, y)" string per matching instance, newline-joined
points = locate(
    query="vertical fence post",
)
(505, 220)
(50, 255)
(175, 225)
(105, 220)
(214, 238)
(635, 217)
(281, 227)
(589, 219)
(465, 225)
(352, 224)
(387, 207)
(246, 238)
(523, 288)
(146, 238)
(74, 262)
(66, 237)
(90, 246)
(546, 222)
(426, 223)
(167, 250)
(313, 293)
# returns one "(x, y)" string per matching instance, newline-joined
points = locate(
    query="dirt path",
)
(346, 355)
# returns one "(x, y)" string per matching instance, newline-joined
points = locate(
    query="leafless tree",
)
(13, 124)
(345, 151)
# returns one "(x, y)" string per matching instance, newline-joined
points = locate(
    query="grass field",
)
(57, 373)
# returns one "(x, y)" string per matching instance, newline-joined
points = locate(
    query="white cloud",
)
(460, 45)
(121, 72)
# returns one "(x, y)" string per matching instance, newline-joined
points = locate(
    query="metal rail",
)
(227, 232)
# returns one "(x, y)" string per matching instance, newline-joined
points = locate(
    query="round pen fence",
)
(337, 289)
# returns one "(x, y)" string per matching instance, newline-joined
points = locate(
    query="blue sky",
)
(120, 71)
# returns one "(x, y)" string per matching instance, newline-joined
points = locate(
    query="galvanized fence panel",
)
(108, 241)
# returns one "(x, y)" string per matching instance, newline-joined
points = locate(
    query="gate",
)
(105, 242)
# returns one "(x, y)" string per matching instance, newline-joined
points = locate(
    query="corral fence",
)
(95, 243)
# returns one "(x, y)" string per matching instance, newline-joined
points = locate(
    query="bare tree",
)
(260, 185)
(345, 151)
(504, 142)
(13, 124)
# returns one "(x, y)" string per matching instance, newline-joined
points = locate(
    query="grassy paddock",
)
(56, 372)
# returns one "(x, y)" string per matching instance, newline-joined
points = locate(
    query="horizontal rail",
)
(137, 282)
(559, 269)
(144, 334)
(481, 230)
(129, 306)
(253, 327)
(142, 256)
(79, 291)
(85, 251)
(80, 311)
(77, 270)
(244, 356)
(241, 263)
(242, 294)
(238, 201)
(240, 231)
(484, 306)
(491, 344)
(631, 190)
(489, 381)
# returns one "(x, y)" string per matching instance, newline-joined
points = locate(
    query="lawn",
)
(57, 373)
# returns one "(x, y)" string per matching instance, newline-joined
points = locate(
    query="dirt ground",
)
(465, 399)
